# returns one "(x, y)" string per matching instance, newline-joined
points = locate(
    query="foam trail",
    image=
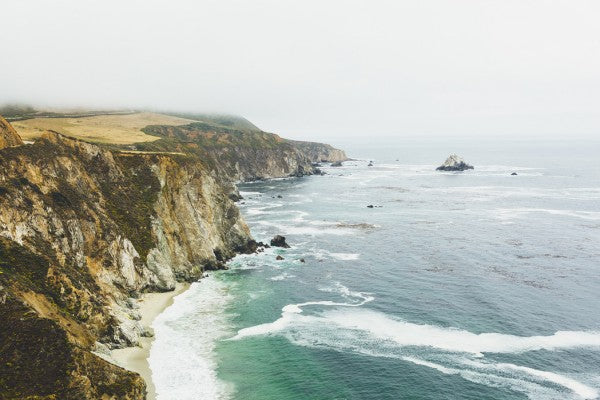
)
(345, 256)
(379, 335)
(289, 311)
(582, 390)
(516, 383)
(404, 334)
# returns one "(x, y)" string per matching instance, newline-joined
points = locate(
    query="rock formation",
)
(279, 241)
(319, 152)
(8, 136)
(241, 155)
(454, 163)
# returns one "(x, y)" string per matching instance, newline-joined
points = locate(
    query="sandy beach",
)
(136, 358)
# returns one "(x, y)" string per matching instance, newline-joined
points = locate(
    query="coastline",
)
(136, 358)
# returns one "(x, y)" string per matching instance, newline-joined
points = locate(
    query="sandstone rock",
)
(8, 136)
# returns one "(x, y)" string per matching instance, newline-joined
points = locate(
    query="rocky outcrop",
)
(84, 231)
(319, 152)
(279, 241)
(8, 136)
(242, 155)
(454, 163)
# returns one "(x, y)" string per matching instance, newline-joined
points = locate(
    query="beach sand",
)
(136, 358)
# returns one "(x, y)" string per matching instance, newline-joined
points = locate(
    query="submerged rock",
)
(279, 241)
(514, 173)
(370, 164)
(279, 258)
(337, 164)
(454, 163)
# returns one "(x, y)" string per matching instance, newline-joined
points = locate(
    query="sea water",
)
(472, 285)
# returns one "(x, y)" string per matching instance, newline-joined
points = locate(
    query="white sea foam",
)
(523, 379)
(510, 213)
(182, 356)
(282, 277)
(345, 256)
(345, 328)
(303, 229)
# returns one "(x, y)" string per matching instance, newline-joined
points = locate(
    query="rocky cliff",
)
(8, 136)
(84, 231)
(242, 155)
(319, 152)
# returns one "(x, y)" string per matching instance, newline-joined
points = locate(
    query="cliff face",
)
(83, 231)
(242, 155)
(319, 152)
(8, 136)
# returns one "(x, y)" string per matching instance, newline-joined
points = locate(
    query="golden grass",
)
(112, 129)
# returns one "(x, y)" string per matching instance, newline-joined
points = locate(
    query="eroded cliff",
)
(83, 232)
(241, 155)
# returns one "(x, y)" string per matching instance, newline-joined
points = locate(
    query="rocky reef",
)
(454, 163)
(84, 230)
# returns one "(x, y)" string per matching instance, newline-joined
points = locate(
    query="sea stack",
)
(454, 163)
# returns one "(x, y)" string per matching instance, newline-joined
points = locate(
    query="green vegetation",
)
(130, 201)
(220, 120)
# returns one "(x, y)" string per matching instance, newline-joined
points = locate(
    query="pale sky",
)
(326, 70)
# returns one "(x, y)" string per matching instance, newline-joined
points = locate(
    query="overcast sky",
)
(327, 70)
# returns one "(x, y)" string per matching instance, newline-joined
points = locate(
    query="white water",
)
(376, 334)
(182, 355)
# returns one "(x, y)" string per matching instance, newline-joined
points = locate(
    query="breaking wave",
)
(343, 326)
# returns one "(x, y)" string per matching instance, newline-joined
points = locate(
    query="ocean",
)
(472, 285)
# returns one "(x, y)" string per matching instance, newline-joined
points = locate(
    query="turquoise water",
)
(475, 285)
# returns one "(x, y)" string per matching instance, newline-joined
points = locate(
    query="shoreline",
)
(135, 358)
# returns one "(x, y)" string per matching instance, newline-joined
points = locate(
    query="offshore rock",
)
(454, 163)
(279, 241)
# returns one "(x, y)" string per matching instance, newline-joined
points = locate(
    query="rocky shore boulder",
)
(454, 163)
(279, 241)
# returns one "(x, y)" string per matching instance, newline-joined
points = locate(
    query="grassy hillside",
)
(108, 129)
(220, 120)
